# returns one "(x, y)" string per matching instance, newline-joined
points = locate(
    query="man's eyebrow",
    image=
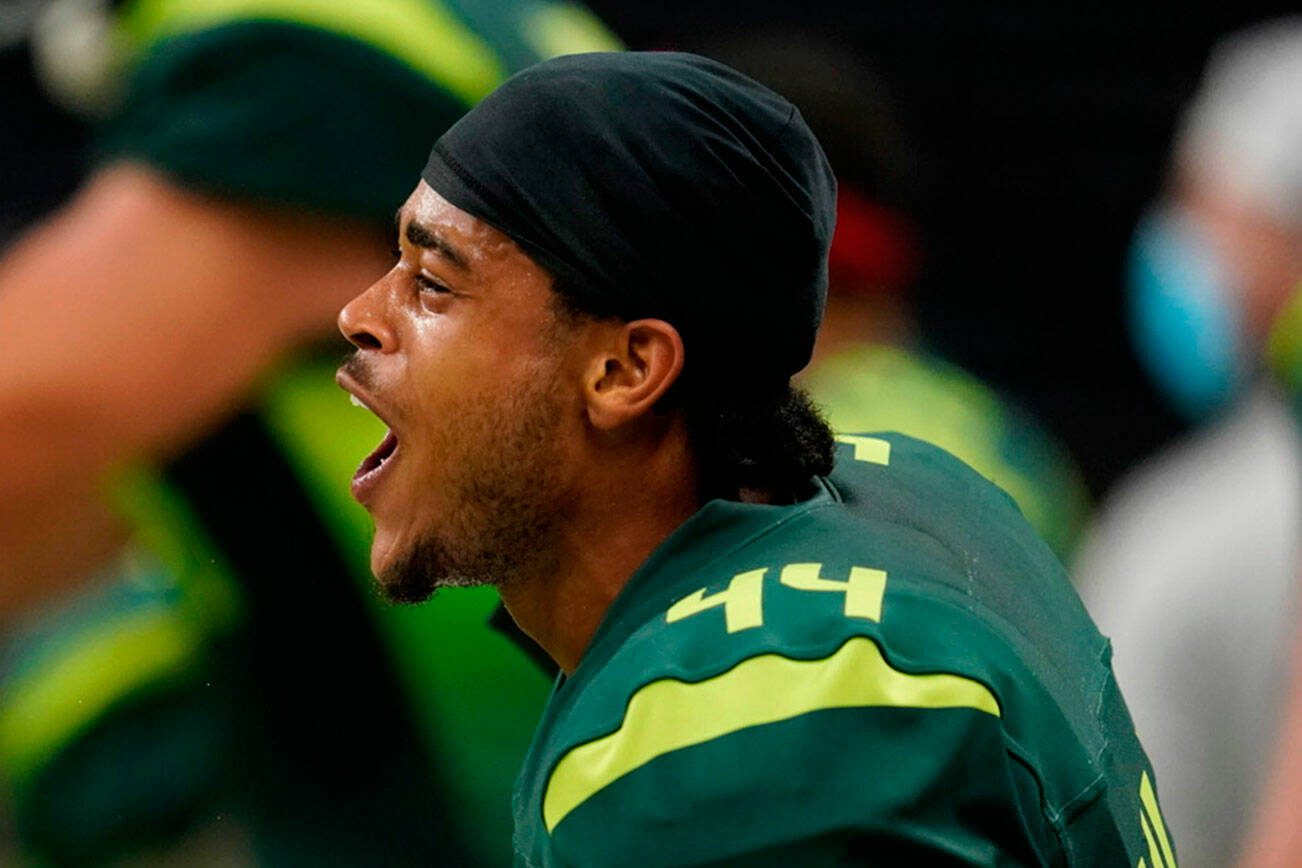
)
(423, 236)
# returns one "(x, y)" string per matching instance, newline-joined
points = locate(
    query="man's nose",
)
(363, 320)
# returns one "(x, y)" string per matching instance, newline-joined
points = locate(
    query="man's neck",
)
(619, 523)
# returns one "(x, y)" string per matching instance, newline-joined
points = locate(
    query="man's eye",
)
(429, 284)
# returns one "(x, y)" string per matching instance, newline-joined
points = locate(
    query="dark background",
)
(1041, 131)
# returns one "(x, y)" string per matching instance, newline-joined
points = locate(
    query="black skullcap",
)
(658, 185)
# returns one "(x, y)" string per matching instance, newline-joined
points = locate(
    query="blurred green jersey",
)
(240, 680)
(876, 387)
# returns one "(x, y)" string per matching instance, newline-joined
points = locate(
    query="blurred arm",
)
(134, 320)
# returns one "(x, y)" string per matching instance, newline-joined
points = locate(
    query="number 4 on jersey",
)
(863, 590)
(743, 599)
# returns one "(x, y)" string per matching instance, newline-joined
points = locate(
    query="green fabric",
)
(111, 732)
(172, 596)
(873, 387)
(325, 105)
(273, 113)
(522, 32)
(890, 811)
(153, 768)
(420, 34)
(992, 731)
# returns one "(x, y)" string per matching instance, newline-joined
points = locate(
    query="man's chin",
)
(403, 579)
(404, 593)
(414, 575)
(399, 583)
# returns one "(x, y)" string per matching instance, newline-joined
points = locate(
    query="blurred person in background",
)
(165, 333)
(873, 369)
(1192, 566)
(1274, 839)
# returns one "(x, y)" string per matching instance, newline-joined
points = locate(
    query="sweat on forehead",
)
(657, 184)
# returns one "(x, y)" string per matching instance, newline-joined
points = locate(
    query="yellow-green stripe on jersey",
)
(669, 715)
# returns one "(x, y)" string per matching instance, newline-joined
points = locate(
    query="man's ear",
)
(636, 365)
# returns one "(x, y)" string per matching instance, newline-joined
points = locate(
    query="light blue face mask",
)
(1184, 319)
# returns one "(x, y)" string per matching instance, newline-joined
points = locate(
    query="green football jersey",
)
(895, 671)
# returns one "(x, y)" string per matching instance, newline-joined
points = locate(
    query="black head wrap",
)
(658, 185)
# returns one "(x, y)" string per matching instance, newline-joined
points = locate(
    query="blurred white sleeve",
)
(1191, 570)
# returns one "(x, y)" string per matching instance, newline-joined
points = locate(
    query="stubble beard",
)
(505, 499)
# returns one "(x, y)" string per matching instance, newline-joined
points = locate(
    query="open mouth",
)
(372, 466)
(370, 471)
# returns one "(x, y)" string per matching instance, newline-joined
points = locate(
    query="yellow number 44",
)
(743, 599)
